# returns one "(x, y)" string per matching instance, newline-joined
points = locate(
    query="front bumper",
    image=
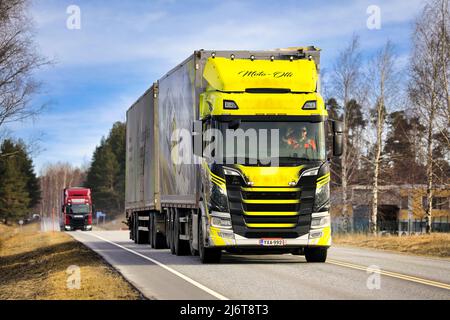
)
(317, 236)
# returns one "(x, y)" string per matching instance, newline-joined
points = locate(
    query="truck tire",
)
(207, 255)
(150, 230)
(134, 230)
(316, 254)
(181, 247)
(141, 235)
(158, 241)
(194, 251)
(171, 233)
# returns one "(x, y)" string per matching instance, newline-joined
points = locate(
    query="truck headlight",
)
(220, 222)
(320, 221)
(322, 196)
(219, 199)
(221, 219)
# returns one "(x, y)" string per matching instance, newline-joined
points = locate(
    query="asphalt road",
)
(350, 273)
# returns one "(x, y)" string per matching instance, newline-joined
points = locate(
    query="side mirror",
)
(234, 124)
(338, 138)
(197, 138)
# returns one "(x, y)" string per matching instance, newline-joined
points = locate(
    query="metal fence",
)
(401, 227)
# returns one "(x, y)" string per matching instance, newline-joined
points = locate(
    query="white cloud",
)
(72, 135)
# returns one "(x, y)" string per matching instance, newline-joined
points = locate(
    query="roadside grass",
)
(33, 266)
(435, 244)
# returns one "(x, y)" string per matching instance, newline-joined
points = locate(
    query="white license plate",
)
(272, 242)
(78, 216)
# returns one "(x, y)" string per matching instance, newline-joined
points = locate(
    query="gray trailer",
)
(155, 186)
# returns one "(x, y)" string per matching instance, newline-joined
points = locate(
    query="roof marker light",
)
(291, 58)
(232, 56)
(213, 54)
(252, 57)
(309, 57)
(272, 58)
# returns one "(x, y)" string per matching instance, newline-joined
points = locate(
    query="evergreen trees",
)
(19, 186)
(106, 176)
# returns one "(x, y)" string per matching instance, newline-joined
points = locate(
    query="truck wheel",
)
(142, 237)
(134, 230)
(158, 240)
(151, 230)
(181, 246)
(207, 255)
(316, 254)
(194, 251)
(171, 223)
(167, 225)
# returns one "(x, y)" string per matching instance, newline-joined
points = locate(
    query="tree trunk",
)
(374, 214)
(344, 174)
(429, 208)
(344, 212)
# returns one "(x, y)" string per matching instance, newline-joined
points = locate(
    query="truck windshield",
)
(79, 208)
(262, 140)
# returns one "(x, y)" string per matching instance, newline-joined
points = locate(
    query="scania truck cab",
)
(77, 209)
(276, 197)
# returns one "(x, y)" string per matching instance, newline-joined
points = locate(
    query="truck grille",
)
(77, 223)
(259, 212)
(256, 195)
(270, 209)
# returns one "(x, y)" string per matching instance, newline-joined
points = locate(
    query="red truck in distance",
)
(77, 209)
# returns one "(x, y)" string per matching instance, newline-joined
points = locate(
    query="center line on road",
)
(391, 274)
(191, 281)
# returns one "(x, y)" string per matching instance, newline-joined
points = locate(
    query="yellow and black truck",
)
(228, 152)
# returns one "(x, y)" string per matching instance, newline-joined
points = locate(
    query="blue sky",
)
(123, 46)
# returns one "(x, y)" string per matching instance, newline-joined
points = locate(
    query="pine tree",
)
(19, 186)
(101, 177)
(14, 196)
(117, 141)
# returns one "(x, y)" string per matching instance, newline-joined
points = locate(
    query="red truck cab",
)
(77, 209)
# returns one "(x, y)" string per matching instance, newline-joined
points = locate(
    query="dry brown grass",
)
(33, 265)
(435, 244)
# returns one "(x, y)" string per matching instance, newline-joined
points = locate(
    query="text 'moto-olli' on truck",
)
(77, 209)
(228, 152)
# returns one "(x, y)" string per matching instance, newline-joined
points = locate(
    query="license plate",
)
(272, 242)
(78, 216)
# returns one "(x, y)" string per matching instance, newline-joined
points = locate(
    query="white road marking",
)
(191, 281)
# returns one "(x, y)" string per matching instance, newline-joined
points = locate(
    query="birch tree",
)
(54, 178)
(382, 81)
(345, 85)
(428, 85)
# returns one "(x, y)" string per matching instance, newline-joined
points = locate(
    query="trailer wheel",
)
(171, 228)
(207, 255)
(194, 251)
(181, 246)
(157, 239)
(316, 254)
(141, 235)
(133, 230)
